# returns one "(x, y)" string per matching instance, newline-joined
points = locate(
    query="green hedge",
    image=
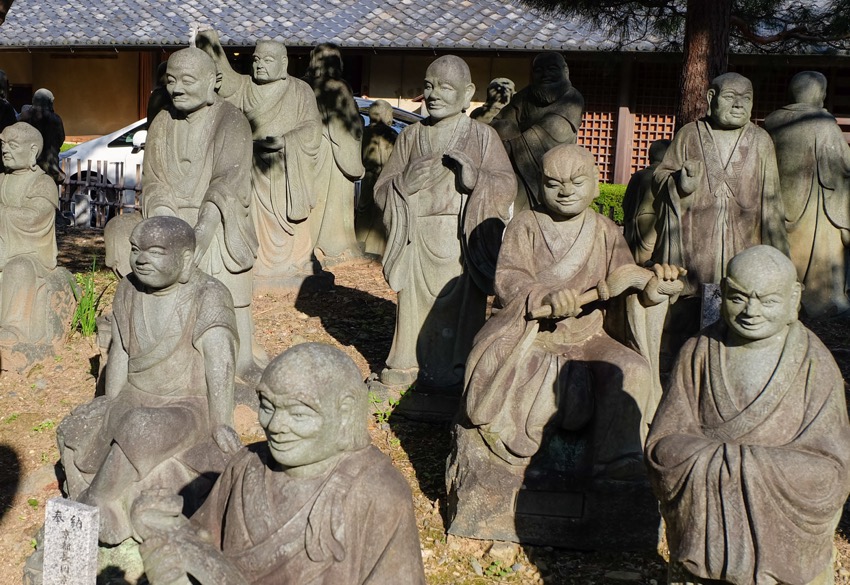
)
(610, 201)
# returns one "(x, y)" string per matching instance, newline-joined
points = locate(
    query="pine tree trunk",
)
(706, 55)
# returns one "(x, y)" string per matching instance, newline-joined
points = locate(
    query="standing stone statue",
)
(445, 193)
(814, 171)
(538, 118)
(197, 165)
(166, 418)
(48, 122)
(378, 140)
(36, 301)
(544, 371)
(750, 447)
(314, 504)
(499, 93)
(287, 134)
(333, 219)
(639, 206)
(8, 115)
(717, 194)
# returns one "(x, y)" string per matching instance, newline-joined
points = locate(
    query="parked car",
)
(121, 153)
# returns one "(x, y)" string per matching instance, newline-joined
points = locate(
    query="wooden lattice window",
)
(654, 87)
(599, 83)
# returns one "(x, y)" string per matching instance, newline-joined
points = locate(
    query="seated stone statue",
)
(47, 121)
(378, 140)
(166, 419)
(36, 301)
(314, 504)
(750, 446)
(639, 206)
(544, 367)
(499, 93)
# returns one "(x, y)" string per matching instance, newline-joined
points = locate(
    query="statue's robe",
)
(282, 182)
(640, 217)
(378, 142)
(751, 494)
(738, 203)
(351, 526)
(524, 375)
(206, 160)
(529, 129)
(814, 171)
(28, 204)
(442, 248)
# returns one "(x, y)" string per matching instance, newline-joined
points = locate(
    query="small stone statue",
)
(639, 206)
(378, 140)
(197, 167)
(36, 300)
(750, 447)
(48, 122)
(717, 193)
(445, 194)
(315, 504)
(287, 135)
(333, 219)
(171, 368)
(538, 118)
(814, 171)
(499, 93)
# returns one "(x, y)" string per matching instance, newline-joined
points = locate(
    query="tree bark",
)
(707, 26)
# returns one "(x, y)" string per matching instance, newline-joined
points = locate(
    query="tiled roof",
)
(408, 24)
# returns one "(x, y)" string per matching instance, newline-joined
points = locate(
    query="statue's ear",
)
(467, 95)
(345, 408)
(213, 84)
(709, 96)
(188, 257)
(796, 299)
(33, 156)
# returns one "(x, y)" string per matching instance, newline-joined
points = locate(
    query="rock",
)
(504, 552)
(476, 566)
(623, 576)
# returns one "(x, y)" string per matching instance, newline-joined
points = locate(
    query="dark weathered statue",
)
(639, 206)
(445, 193)
(814, 171)
(316, 503)
(378, 140)
(48, 122)
(499, 93)
(166, 418)
(543, 115)
(750, 447)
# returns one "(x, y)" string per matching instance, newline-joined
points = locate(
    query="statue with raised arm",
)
(197, 167)
(287, 135)
(171, 368)
(499, 94)
(749, 452)
(315, 503)
(378, 141)
(543, 115)
(639, 206)
(814, 171)
(445, 193)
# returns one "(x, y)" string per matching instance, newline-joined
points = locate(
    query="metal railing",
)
(95, 191)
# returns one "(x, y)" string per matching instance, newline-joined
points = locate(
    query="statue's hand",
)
(416, 174)
(165, 562)
(690, 176)
(665, 283)
(564, 303)
(206, 38)
(226, 439)
(156, 511)
(464, 168)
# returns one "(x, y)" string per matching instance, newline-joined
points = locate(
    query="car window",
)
(126, 139)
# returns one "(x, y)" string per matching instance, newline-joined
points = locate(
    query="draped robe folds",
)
(751, 494)
(639, 212)
(737, 204)
(180, 178)
(442, 248)
(282, 182)
(353, 526)
(814, 171)
(520, 378)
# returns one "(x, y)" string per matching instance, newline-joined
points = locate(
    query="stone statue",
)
(171, 365)
(36, 300)
(639, 206)
(717, 193)
(315, 504)
(340, 166)
(445, 193)
(378, 140)
(499, 93)
(48, 122)
(8, 115)
(814, 171)
(197, 165)
(544, 369)
(538, 118)
(750, 447)
(159, 99)
(287, 133)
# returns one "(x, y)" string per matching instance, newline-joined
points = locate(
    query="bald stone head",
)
(43, 98)
(570, 180)
(730, 101)
(808, 87)
(162, 250)
(381, 111)
(21, 144)
(190, 80)
(270, 62)
(326, 61)
(657, 150)
(448, 87)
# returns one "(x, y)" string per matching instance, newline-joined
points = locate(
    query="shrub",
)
(88, 302)
(610, 201)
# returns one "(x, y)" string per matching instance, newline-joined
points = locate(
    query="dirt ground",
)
(358, 317)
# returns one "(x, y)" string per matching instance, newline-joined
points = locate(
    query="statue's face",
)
(547, 70)
(18, 154)
(155, 264)
(301, 429)
(269, 64)
(190, 87)
(732, 105)
(446, 92)
(568, 194)
(758, 304)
